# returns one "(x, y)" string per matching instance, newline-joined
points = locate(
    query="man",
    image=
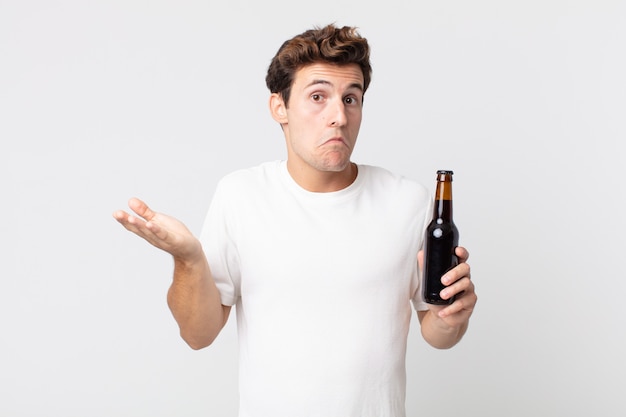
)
(317, 253)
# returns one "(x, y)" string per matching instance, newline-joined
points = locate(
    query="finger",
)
(141, 208)
(156, 230)
(464, 303)
(149, 231)
(458, 288)
(120, 215)
(460, 271)
(461, 253)
(134, 224)
(420, 258)
(128, 221)
(131, 223)
(453, 308)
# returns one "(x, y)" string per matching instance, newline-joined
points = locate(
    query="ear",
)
(278, 109)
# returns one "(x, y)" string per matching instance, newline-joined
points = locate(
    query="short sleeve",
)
(417, 299)
(219, 247)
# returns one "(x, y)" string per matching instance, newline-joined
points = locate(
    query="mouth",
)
(335, 140)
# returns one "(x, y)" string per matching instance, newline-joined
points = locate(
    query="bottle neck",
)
(443, 198)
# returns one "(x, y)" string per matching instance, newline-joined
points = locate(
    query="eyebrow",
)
(358, 86)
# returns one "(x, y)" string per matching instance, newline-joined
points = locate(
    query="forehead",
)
(340, 76)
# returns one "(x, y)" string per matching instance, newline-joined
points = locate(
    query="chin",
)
(338, 167)
(338, 163)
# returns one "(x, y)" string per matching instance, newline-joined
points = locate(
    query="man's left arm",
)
(444, 326)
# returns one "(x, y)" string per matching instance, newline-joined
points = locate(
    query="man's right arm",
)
(195, 302)
(193, 296)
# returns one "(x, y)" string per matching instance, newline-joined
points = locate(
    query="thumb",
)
(420, 258)
(141, 208)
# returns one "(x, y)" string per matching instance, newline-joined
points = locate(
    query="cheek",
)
(356, 114)
(355, 121)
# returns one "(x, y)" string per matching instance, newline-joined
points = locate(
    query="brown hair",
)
(330, 44)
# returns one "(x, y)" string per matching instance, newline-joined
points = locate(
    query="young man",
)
(318, 254)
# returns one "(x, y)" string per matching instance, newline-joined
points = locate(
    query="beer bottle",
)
(441, 240)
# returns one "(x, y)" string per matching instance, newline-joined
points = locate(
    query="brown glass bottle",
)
(440, 242)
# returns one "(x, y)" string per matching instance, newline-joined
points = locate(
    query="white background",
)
(104, 100)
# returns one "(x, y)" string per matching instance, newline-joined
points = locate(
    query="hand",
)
(459, 284)
(160, 230)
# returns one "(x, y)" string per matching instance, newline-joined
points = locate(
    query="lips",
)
(335, 140)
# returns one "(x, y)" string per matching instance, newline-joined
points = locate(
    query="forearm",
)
(195, 303)
(439, 334)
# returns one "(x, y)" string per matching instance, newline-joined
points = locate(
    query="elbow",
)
(197, 343)
(443, 346)
(197, 346)
(199, 334)
(443, 340)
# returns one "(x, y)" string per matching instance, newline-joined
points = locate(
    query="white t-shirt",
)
(323, 284)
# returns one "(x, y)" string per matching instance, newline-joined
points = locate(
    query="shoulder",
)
(251, 177)
(385, 180)
(247, 186)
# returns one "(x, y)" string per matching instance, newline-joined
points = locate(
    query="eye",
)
(351, 100)
(316, 97)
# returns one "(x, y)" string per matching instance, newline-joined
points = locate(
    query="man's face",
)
(322, 121)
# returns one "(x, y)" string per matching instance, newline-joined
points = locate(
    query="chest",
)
(322, 249)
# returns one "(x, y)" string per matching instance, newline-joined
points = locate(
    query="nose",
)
(337, 114)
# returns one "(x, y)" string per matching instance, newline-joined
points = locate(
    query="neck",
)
(318, 181)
